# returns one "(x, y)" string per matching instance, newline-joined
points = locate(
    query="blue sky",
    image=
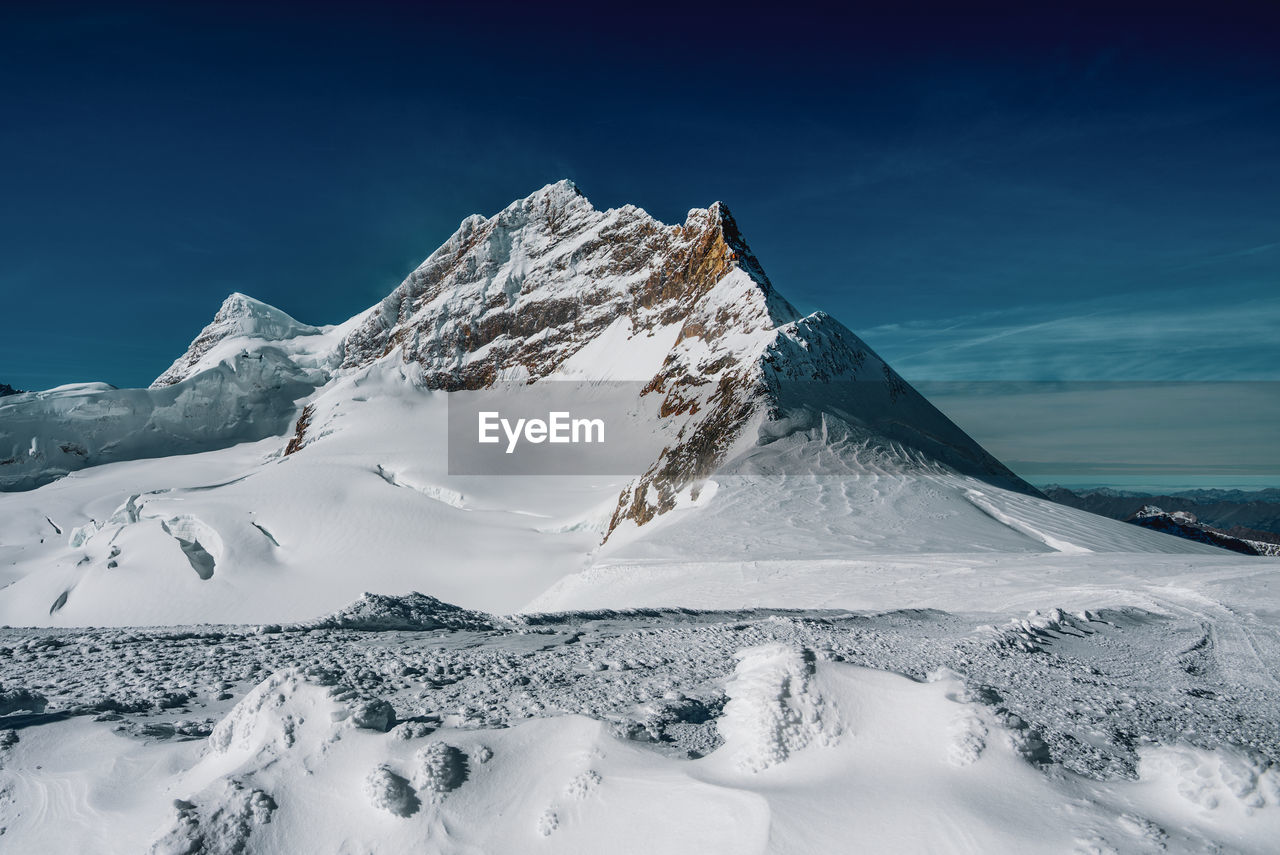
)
(1043, 194)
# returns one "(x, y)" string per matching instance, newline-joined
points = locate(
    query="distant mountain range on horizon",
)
(1251, 515)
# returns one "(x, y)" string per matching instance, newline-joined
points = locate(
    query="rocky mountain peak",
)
(558, 194)
(516, 295)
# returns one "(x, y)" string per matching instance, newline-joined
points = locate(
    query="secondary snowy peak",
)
(239, 317)
(238, 382)
(513, 296)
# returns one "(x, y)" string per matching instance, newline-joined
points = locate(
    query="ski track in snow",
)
(1244, 650)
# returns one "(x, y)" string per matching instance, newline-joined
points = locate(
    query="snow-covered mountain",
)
(815, 616)
(1185, 524)
(313, 463)
(1241, 513)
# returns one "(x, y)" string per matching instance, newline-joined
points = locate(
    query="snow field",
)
(905, 731)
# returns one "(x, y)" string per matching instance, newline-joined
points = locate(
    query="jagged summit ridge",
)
(562, 193)
(551, 266)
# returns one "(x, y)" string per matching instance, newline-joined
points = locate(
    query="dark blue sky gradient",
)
(977, 194)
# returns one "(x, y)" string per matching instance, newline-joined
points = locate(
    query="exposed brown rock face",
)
(299, 437)
(702, 445)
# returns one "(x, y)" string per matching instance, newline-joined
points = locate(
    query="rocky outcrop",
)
(1184, 524)
(515, 295)
(1249, 514)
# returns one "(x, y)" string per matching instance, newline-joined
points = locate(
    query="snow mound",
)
(411, 612)
(269, 719)
(439, 768)
(1214, 779)
(374, 714)
(774, 709)
(968, 738)
(21, 700)
(389, 791)
(221, 825)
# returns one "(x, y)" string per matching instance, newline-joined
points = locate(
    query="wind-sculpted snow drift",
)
(774, 709)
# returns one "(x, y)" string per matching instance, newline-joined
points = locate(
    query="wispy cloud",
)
(1175, 335)
(1119, 427)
